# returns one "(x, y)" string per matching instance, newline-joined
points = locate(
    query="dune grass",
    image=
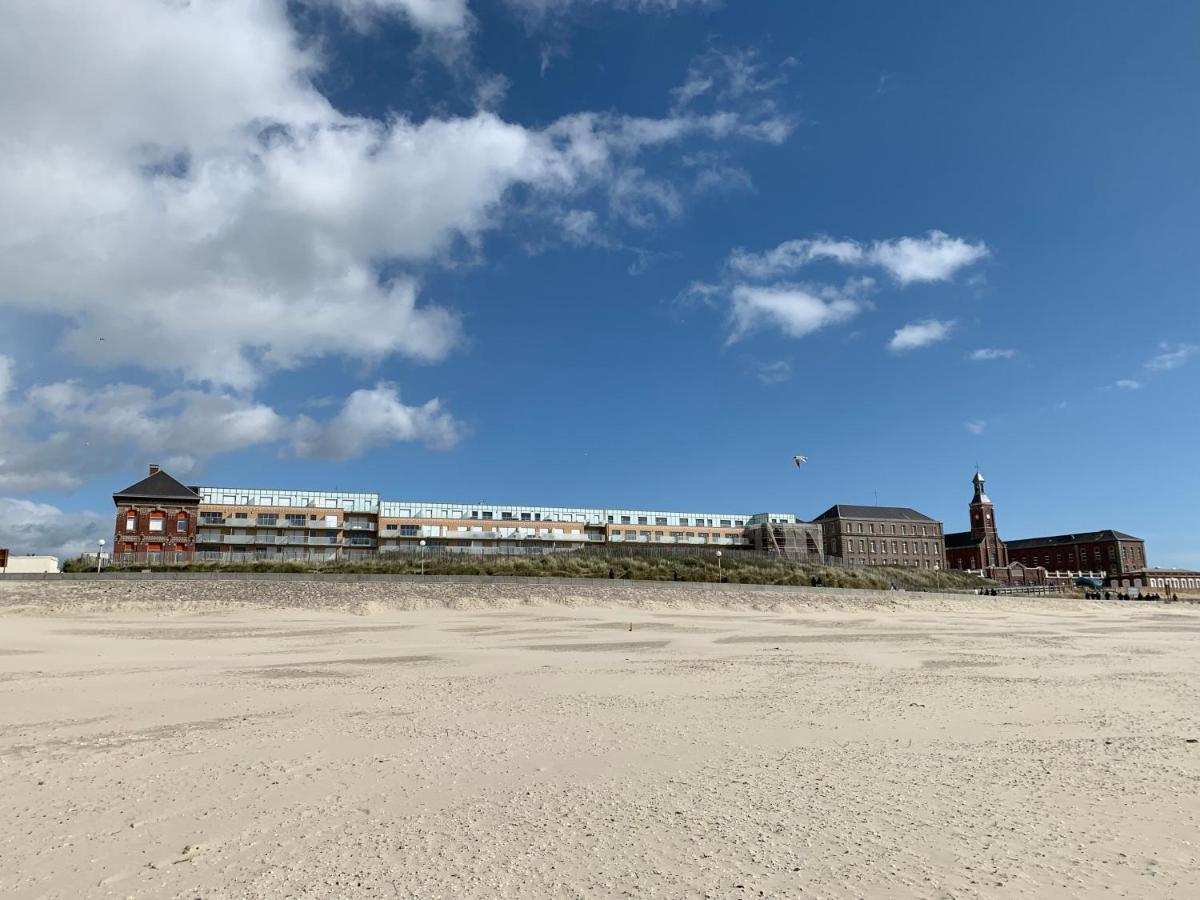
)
(735, 569)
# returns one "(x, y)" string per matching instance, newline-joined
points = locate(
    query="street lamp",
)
(99, 555)
(937, 573)
(422, 558)
(720, 578)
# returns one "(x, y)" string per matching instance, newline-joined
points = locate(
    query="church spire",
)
(980, 496)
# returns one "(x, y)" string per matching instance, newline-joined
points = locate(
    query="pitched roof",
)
(1085, 537)
(848, 511)
(159, 486)
(961, 539)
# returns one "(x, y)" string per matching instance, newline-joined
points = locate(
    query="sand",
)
(226, 740)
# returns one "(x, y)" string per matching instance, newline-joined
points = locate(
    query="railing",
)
(359, 526)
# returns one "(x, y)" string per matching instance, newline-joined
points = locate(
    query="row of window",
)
(897, 546)
(857, 528)
(157, 521)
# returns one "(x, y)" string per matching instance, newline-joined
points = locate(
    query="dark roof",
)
(159, 486)
(846, 511)
(961, 539)
(1085, 537)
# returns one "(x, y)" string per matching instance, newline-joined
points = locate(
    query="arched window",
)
(181, 523)
(131, 521)
(157, 520)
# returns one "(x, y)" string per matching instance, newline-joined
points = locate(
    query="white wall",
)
(26, 565)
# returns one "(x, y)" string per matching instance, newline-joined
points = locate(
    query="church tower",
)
(992, 551)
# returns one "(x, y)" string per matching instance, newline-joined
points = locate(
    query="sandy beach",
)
(223, 741)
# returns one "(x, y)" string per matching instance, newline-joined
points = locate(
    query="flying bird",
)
(798, 460)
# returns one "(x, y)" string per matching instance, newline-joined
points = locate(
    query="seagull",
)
(799, 460)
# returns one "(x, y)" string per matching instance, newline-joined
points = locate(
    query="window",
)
(131, 521)
(872, 546)
(181, 523)
(660, 520)
(506, 515)
(893, 529)
(658, 535)
(725, 523)
(241, 515)
(641, 520)
(408, 530)
(872, 527)
(624, 520)
(894, 550)
(644, 534)
(738, 523)
(677, 535)
(156, 521)
(525, 517)
(860, 531)
(862, 548)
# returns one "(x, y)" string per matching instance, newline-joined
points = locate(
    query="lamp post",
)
(99, 555)
(720, 577)
(422, 558)
(937, 573)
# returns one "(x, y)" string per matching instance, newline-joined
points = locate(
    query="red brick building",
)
(1112, 552)
(156, 520)
(981, 547)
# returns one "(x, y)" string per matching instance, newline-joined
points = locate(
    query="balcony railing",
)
(359, 526)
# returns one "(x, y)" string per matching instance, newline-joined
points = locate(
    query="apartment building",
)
(247, 523)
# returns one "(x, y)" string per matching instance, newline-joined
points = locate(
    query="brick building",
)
(1113, 552)
(981, 547)
(156, 519)
(882, 536)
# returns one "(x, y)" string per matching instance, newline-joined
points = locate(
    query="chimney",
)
(153, 469)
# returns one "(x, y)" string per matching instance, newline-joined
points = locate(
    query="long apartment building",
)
(159, 517)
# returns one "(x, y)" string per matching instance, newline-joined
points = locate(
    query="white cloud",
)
(1171, 356)
(915, 335)
(1128, 384)
(440, 16)
(792, 255)
(538, 11)
(65, 432)
(975, 426)
(935, 257)
(372, 418)
(989, 353)
(27, 527)
(796, 310)
(774, 372)
(242, 206)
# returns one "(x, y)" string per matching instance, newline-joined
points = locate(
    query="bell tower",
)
(992, 551)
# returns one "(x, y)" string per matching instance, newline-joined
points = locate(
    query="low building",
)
(1151, 581)
(27, 565)
(784, 535)
(1109, 551)
(882, 536)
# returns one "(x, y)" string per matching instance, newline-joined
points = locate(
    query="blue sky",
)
(595, 252)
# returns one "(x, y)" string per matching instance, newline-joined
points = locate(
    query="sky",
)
(622, 253)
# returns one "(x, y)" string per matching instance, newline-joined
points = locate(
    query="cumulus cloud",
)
(985, 354)
(244, 207)
(796, 310)
(64, 432)
(39, 528)
(372, 418)
(915, 335)
(975, 426)
(935, 257)
(1171, 356)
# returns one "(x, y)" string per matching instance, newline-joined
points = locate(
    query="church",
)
(981, 549)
